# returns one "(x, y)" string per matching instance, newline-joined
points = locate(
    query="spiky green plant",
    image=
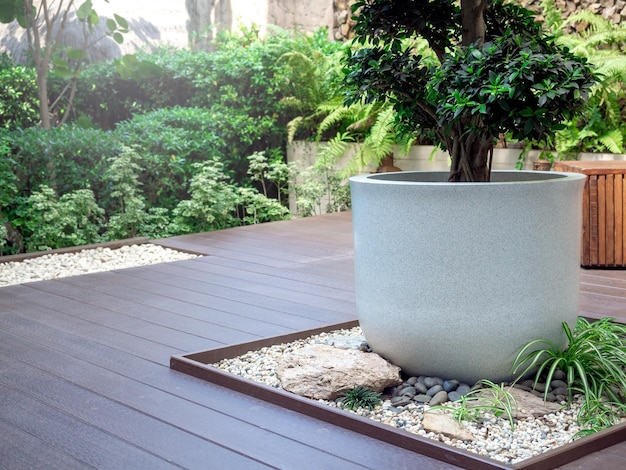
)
(597, 413)
(593, 361)
(359, 397)
(487, 397)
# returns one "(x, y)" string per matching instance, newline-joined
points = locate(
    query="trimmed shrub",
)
(173, 139)
(65, 159)
(19, 105)
(48, 221)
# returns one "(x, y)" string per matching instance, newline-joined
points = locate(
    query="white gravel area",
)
(54, 266)
(493, 437)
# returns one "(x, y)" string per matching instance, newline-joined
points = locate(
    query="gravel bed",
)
(54, 266)
(493, 436)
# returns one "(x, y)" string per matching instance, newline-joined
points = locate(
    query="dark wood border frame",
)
(197, 365)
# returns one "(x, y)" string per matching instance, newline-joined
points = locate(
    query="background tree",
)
(498, 72)
(45, 22)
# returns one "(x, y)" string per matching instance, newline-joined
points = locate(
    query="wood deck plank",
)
(95, 316)
(245, 285)
(222, 274)
(20, 450)
(72, 436)
(197, 291)
(155, 294)
(91, 354)
(156, 437)
(346, 283)
(222, 325)
(206, 422)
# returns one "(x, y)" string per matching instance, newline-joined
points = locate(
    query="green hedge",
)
(19, 105)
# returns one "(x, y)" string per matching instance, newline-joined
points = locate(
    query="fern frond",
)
(331, 105)
(592, 42)
(405, 142)
(613, 141)
(362, 159)
(596, 22)
(337, 115)
(292, 127)
(612, 67)
(382, 135)
(601, 38)
(366, 118)
(331, 152)
(291, 102)
(552, 15)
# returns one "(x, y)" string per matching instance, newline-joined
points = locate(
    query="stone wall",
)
(343, 23)
(613, 10)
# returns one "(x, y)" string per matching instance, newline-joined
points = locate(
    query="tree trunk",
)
(473, 21)
(471, 156)
(42, 91)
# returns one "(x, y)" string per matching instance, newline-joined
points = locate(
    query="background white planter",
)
(453, 279)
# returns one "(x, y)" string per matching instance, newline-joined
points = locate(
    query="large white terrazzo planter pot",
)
(452, 279)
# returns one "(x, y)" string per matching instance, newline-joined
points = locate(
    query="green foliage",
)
(359, 397)
(114, 91)
(123, 177)
(11, 10)
(487, 397)
(8, 179)
(593, 361)
(312, 78)
(258, 208)
(18, 95)
(271, 174)
(51, 222)
(3, 236)
(216, 204)
(246, 71)
(8, 188)
(258, 76)
(599, 412)
(130, 216)
(512, 84)
(601, 126)
(213, 203)
(372, 125)
(519, 81)
(65, 159)
(103, 97)
(44, 23)
(173, 139)
(142, 171)
(159, 222)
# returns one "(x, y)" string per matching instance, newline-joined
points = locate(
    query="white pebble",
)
(55, 266)
(493, 437)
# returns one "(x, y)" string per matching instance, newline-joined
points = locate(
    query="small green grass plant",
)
(359, 397)
(486, 397)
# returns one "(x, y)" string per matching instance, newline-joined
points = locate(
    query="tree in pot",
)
(453, 279)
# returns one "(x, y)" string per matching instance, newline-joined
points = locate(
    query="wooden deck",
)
(84, 361)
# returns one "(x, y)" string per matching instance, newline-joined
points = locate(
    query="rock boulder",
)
(324, 372)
